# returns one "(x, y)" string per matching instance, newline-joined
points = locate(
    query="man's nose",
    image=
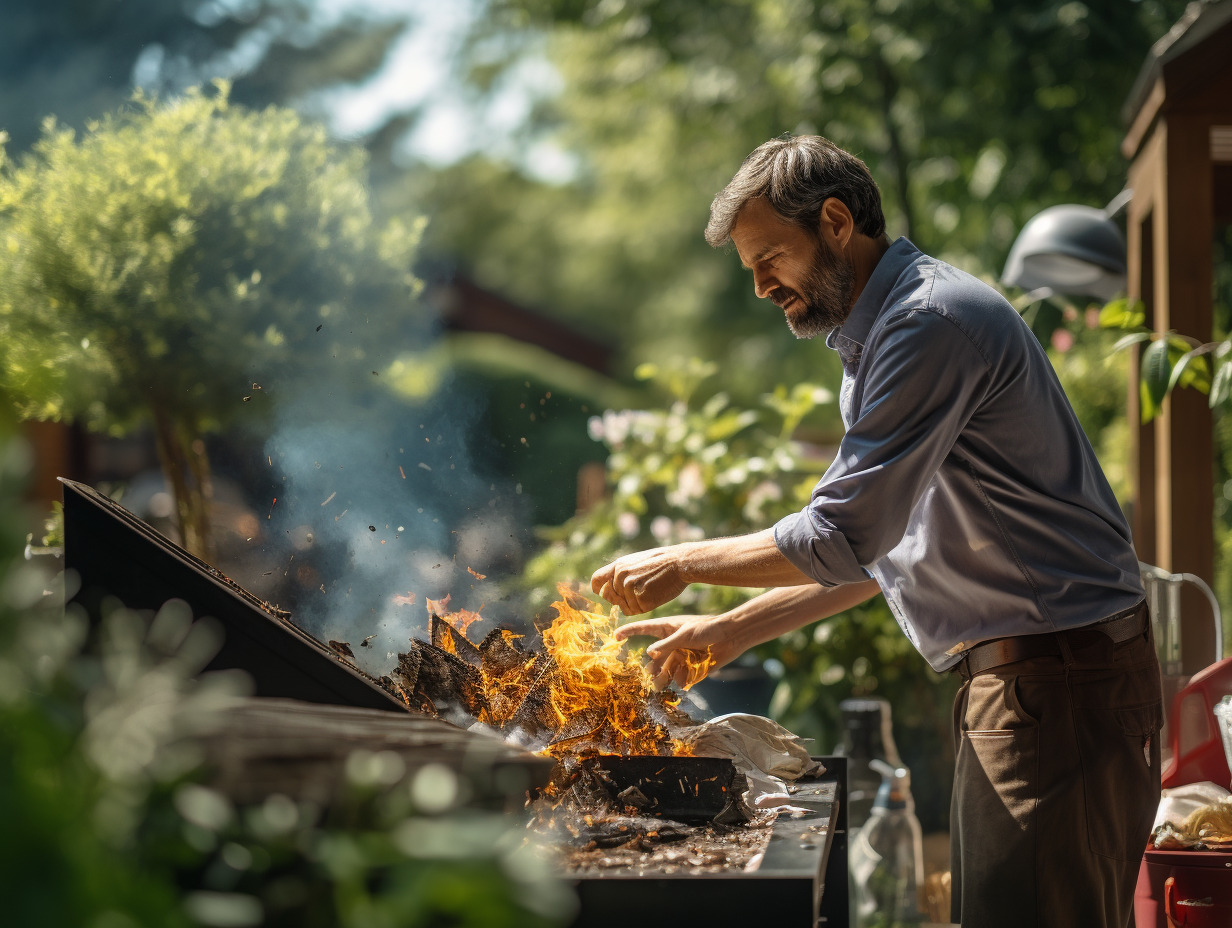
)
(763, 284)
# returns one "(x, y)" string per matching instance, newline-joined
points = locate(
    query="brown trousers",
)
(1056, 786)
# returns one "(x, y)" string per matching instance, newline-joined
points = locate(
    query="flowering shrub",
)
(700, 467)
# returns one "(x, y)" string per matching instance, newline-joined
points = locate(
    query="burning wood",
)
(579, 693)
(624, 750)
(342, 649)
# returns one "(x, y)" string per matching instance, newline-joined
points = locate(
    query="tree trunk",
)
(186, 466)
(898, 159)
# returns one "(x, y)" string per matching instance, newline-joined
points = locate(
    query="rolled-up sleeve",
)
(914, 397)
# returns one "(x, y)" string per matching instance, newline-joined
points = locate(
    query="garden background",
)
(251, 251)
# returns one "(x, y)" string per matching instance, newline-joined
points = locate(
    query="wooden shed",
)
(1179, 145)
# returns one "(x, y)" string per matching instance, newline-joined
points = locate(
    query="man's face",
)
(803, 276)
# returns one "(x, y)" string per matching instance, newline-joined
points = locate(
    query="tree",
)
(972, 116)
(81, 58)
(160, 267)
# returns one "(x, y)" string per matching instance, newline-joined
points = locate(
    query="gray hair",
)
(796, 175)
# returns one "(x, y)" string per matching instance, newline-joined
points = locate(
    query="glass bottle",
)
(887, 857)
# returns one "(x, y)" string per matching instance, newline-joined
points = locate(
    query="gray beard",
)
(825, 294)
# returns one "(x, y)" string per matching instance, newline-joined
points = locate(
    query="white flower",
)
(628, 525)
(765, 492)
(822, 396)
(689, 486)
(661, 528)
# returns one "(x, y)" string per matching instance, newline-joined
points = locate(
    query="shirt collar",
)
(872, 299)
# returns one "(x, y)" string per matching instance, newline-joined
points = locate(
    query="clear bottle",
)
(887, 856)
(867, 736)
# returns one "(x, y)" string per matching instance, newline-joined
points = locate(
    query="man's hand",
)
(701, 641)
(643, 581)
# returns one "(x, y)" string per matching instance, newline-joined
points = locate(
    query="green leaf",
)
(1190, 367)
(1122, 314)
(1222, 384)
(1150, 409)
(1156, 371)
(1191, 370)
(714, 405)
(1134, 338)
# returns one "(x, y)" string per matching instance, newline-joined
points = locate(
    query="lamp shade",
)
(1069, 249)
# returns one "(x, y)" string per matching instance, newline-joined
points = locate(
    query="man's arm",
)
(643, 581)
(726, 636)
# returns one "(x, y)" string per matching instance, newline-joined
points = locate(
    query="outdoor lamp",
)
(1077, 250)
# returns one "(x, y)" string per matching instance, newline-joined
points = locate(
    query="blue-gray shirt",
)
(964, 484)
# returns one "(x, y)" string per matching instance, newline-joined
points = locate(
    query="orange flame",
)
(582, 688)
(595, 680)
(697, 666)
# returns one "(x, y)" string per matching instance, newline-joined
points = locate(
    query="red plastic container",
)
(1196, 746)
(1190, 889)
(1184, 889)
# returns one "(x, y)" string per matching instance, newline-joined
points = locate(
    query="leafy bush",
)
(162, 267)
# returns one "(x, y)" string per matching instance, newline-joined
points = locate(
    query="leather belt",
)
(990, 654)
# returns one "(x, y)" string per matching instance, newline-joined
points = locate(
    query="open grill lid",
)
(115, 553)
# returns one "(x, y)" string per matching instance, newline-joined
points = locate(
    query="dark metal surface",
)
(115, 553)
(801, 881)
(686, 789)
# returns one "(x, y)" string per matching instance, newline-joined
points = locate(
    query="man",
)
(965, 491)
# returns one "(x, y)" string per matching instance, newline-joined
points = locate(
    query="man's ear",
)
(835, 224)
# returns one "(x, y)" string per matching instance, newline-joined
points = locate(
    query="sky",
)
(420, 72)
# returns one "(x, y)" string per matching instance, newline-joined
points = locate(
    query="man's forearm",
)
(742, 560)
(785, 609)
(645, 580)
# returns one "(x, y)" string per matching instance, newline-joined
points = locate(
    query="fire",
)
(597, 680)
(461, 620)
(582, 688)
(697, 665)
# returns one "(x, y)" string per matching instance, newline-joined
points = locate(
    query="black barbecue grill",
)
(313, 707)
(115, 553)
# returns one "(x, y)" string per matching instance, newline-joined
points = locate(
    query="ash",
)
(580, 825)
(578, 842)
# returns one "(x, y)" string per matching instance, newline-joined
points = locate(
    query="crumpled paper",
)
(763, 750)
(1196, 815)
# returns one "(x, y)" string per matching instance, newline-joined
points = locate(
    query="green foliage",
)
(1169, 360)
(175, 249)
(83, 60)
(702, 466)
(1094, 376)
(971, 116)
(106, 823)
(164, 265)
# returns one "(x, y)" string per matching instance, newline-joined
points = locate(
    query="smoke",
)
(375, 506)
